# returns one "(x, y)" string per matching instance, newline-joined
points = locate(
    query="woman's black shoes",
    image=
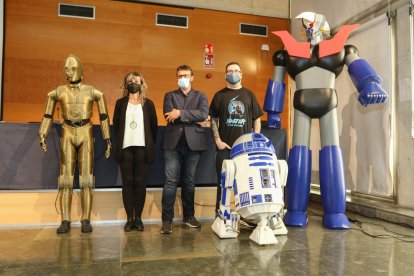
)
(138, 224)
(129, 225)
(134, 224)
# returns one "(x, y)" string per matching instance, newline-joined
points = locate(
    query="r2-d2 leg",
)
(226, 224)
(271, 225)
(276, 221)
(277, 225)
(263, 234)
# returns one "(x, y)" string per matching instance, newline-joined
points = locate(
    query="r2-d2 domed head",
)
(251, 142)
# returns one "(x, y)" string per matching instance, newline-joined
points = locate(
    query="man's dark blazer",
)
(150, 127)
(193, 108)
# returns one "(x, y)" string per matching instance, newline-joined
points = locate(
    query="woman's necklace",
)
(133, 124)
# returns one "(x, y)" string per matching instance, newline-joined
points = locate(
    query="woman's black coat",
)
(150, 127)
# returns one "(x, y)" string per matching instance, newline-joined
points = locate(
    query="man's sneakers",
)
(166, 227)
(191, 222)
(247, 223)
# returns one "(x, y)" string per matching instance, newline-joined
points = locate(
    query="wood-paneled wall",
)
(39, 207)
(122, 38)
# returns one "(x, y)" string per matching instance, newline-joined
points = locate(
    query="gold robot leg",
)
(65, 190)
(86, 179)
(65, 180)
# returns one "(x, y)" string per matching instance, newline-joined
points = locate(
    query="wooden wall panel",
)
(27, 208)
(122, 38)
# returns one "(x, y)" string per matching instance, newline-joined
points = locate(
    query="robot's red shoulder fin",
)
(293, 47)
(335, 45)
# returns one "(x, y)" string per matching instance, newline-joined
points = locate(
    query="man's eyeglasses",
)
(233, 71)
(183, 76)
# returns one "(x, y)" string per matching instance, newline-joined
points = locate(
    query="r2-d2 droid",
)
(257, 178)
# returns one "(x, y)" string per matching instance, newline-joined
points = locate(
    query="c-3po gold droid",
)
(77, 141)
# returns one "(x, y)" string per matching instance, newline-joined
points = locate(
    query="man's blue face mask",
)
(233, 78)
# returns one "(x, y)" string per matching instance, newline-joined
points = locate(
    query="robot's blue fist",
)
(372, 93)
(273, 120)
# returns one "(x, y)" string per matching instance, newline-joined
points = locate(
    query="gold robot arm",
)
(47, 119)
(99, 97)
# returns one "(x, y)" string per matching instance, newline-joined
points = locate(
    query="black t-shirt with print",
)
(236, 110)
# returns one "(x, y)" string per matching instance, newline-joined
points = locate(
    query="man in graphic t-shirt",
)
(234, 111)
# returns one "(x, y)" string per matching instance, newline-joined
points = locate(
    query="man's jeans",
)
(180, 162)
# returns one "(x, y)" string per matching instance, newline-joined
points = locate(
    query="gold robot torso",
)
(76, 101)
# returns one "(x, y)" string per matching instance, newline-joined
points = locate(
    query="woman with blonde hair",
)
(135, 130)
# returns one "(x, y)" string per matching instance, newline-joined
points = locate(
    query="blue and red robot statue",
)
(314, 66)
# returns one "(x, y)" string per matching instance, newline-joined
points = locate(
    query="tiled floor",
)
(313, 250)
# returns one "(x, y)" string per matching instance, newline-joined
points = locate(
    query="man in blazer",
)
(184, 139)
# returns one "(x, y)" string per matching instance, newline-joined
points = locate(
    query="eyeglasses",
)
(183, 76)
(233, 71)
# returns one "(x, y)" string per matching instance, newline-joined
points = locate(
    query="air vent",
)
(78, 11)
(170, 20)
(249, 29)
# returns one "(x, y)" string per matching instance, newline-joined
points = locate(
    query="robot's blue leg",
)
(333, 187)
(298, 186)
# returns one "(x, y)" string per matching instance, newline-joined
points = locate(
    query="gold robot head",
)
(73, 69)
